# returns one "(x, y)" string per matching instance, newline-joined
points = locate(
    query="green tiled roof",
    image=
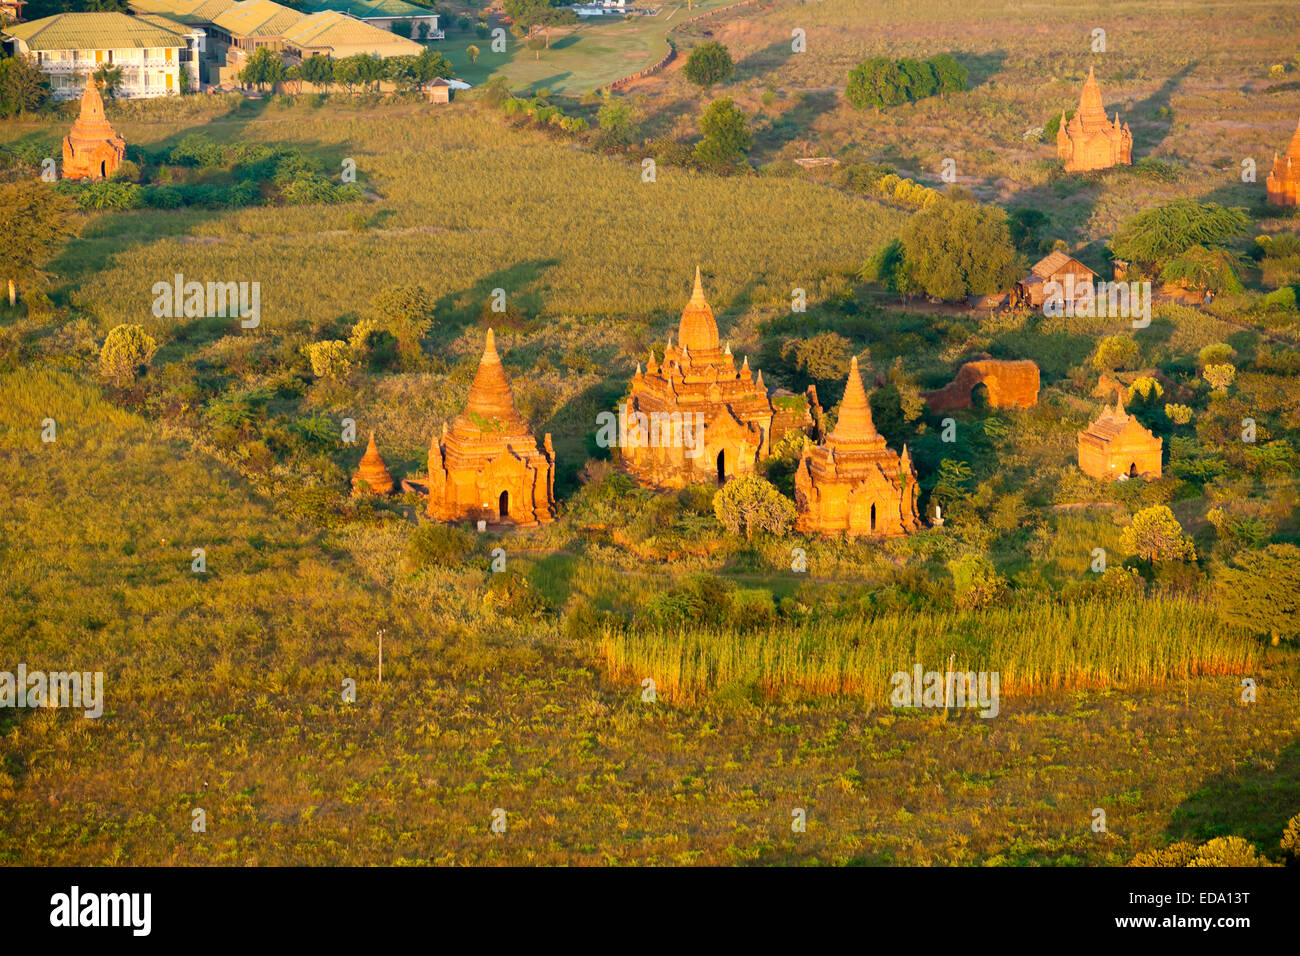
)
(258, 18)
(372, 8)
(332, 29)
(186, 11)
(99, 31)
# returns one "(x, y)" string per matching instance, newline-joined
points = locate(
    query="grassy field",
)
(223, 693)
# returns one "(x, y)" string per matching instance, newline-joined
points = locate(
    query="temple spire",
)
(855, 422)
(490, 396)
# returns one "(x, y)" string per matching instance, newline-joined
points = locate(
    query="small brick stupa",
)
(1116, 444)
(695, 377)
(372, 474)
(93, 150)
(487, 466)
(1284, 181)
(852, 483)
(1089, 140)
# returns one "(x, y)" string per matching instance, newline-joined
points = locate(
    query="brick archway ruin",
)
(1010, 384)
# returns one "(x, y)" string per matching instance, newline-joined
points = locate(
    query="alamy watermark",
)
(629, 429)
(1092, 300)
(67, 689)
(946, 689)
(199, 300)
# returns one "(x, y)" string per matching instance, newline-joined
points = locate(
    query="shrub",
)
(1115, 352)
(330, 360)
(976, 584)
(1219, 377)
(709, 64)
(1178, 414)
(1156, 535)
(437, 544)
(751, 503)
(127, 349)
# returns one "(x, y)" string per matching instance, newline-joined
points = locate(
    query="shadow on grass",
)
(1254, 802)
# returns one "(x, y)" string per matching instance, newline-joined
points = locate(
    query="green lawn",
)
(591, 55)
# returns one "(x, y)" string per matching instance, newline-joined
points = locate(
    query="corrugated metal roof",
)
(99, 31)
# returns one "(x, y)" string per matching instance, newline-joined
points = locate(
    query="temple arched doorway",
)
(873, 517)
(722, 466)
(979, 396)
(1132, 469)
(503, 509)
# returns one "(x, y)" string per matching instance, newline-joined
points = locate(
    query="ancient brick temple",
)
(695, 416)
(487, 466)
(372, 474)
(93, 150)
(1284, 181)
(852, 483)
(1116, 444)
(1008, 383)
(1089, 140)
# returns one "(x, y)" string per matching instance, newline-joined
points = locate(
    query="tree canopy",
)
(1156, 235)
(726, 138)
(709, 64)
(956, 247)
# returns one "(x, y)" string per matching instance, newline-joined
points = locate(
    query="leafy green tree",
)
(1206, 270)
(318, 70)
(876, 82)
(472, 52)
(824, 357)
(976, 583)
(1164, 232)
(406, 312)
(1156, 535)
(754, 504)
(24, 87)
(919, 77)
(617, 127)
(264, 68)
(433, 65)
(1115, 352)
(709, 64)
(950, 74)
(35, 222)
(331, 360)
(360, 69)
(726, 140)
(127, 349)
(956, 247)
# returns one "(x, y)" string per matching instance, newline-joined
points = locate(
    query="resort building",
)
(157, 56)
(396, 16)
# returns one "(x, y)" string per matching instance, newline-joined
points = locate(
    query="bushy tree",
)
(1205, 270)
(1153, 237)
(406, 312)
(709, 64)
(330, 360)
(127, 349)
(976, 583)
(919, 78)
(1115, 352)
(617, 127)
(754, 504)
(1156, 535)
(956, 247)
(1260, 591)
(318, 70)
(1219, 376)
(264, 68)
(24, 87)
(726, 140)
(823, 357)
(34, 221)
(876, 82)
(951, 75)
